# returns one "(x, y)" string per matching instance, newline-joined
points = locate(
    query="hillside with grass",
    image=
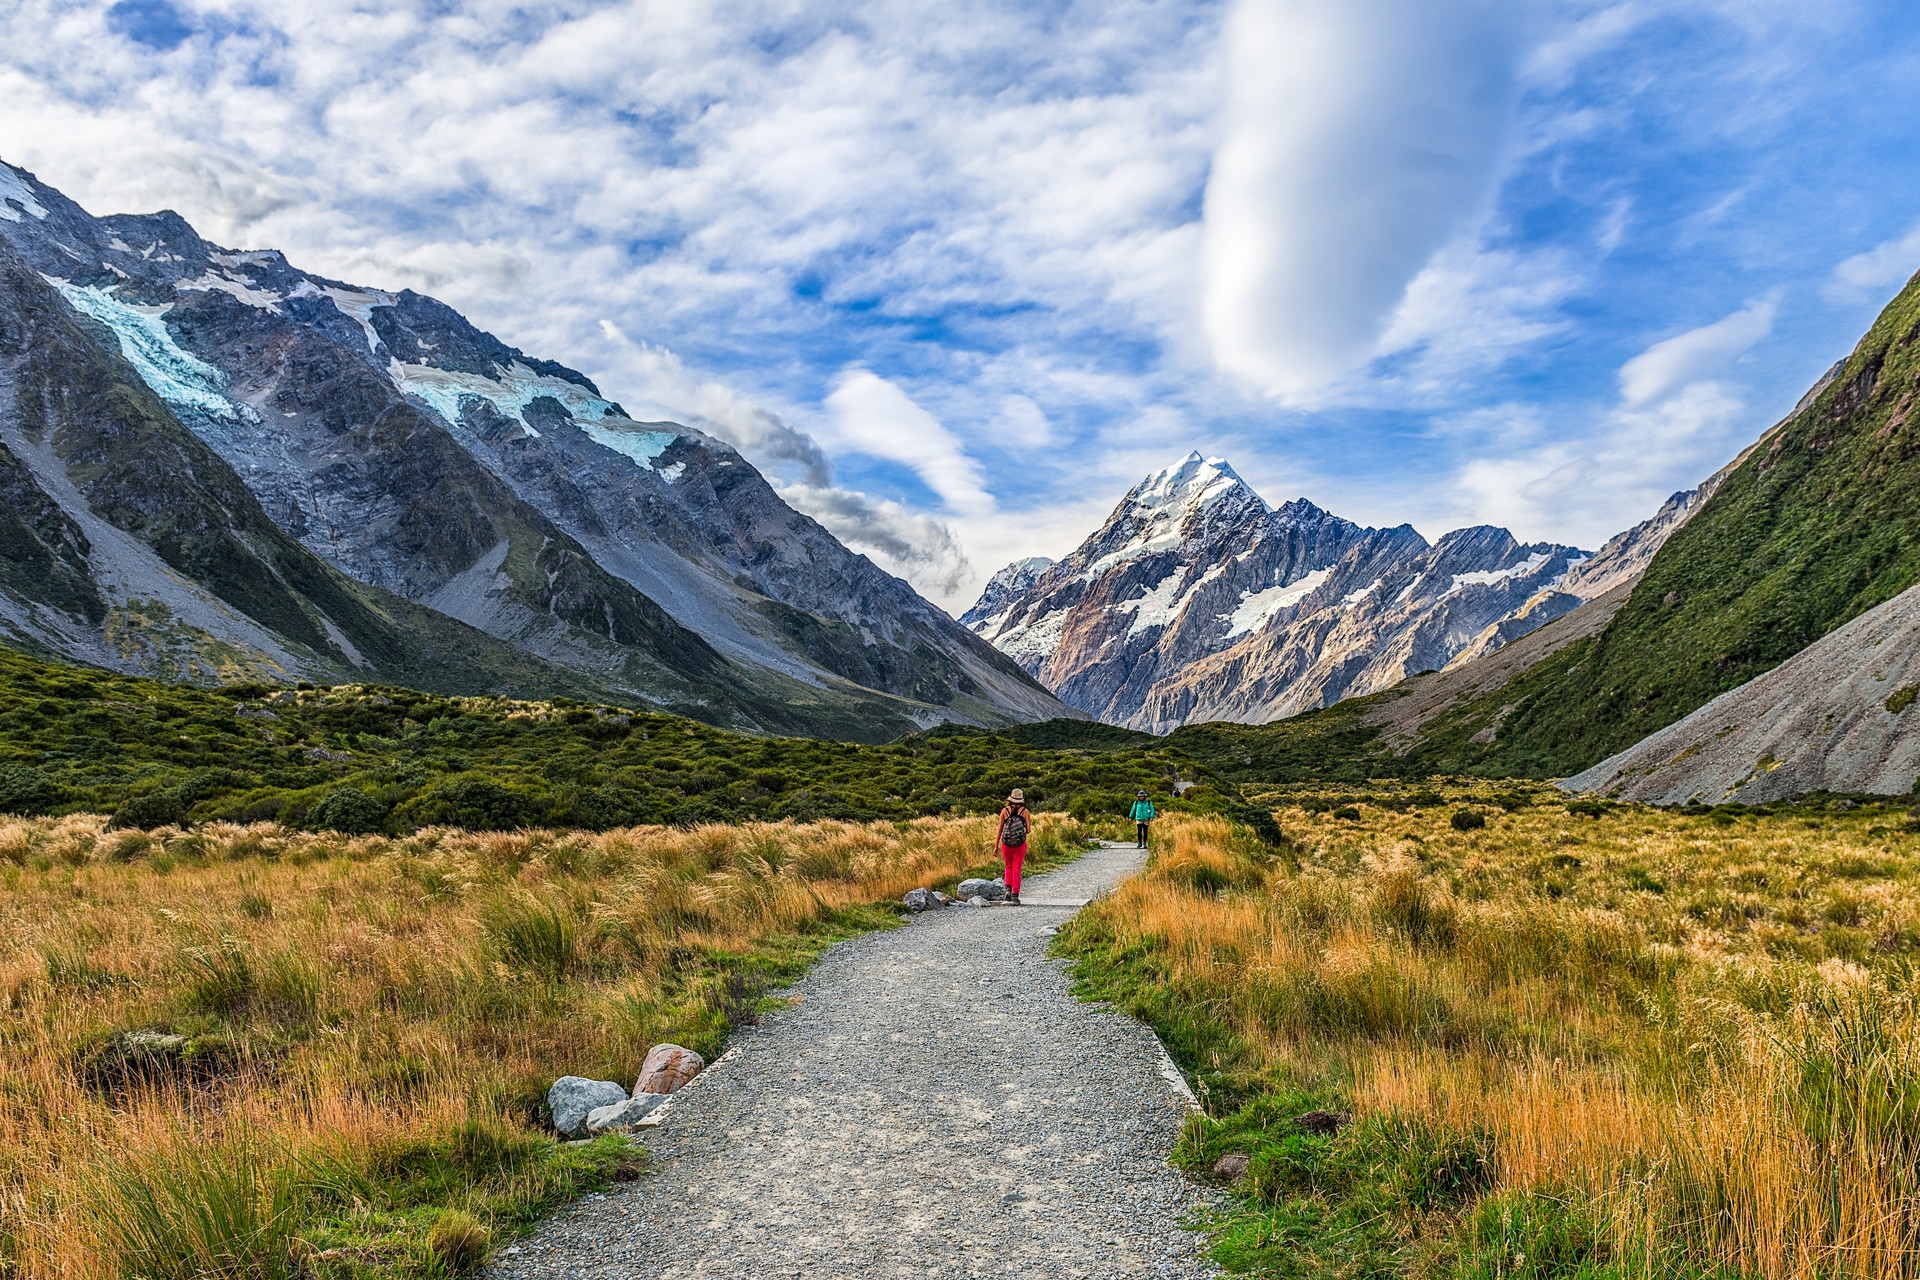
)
(1819, 524)
(365, 758)
(1545, 1039)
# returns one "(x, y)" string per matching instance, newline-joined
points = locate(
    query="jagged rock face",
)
(1003, 590)
(1196, 602)
(423, 456)
(1393, 607)
(1188, 562)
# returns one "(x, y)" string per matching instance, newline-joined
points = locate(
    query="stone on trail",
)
(991, 889)
(573, 1097)
(925, 899)
(623, 1117)
(667, 1067)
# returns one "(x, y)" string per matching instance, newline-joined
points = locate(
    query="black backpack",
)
(1013, 829)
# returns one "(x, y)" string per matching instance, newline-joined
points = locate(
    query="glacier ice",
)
(444, 389)
(185, 382)
(642, 446)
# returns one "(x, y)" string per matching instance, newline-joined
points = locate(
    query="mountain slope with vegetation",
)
(1819, 523)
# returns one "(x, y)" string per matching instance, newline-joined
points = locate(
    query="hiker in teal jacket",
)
(1142, 814)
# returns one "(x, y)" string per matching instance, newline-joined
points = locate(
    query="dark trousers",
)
(1141, 836)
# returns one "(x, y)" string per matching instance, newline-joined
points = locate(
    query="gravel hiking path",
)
(939, 1104)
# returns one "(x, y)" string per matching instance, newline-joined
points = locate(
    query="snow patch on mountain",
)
(1353, 598)
(185, 382)
(1157, 607)
(13, 187)
(358, 304)
(1487, 577)
(1257, 606)
(237, 286)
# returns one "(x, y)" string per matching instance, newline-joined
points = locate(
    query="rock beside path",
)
(925, 899)
(991, 890)
(623, 1117)
(668, 1066)
(573, 1098)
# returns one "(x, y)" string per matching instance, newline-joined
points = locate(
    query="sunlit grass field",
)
(1625, 1042)
(247, 1051)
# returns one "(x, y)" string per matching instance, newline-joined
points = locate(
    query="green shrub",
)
(25, 790)
(1347, 812)
(473, 803)
(351, 811)
(1467, 820)
(151, 809)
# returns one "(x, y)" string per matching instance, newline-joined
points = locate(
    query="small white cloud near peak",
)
(875, 417)
(1697, 355)
(1867, 276)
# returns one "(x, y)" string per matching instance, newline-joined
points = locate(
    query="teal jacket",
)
(1142, 811)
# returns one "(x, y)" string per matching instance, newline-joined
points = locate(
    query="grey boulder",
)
(990, 889)
(573, 1098)
(925, 899)
(622, 1117)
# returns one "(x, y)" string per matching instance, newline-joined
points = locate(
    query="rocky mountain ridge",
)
(419, 456)
(1196, 601)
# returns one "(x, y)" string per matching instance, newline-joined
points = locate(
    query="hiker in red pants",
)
(1015, 822)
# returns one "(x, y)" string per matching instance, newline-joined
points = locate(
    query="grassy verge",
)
(243, 1050)
(1598, 1041)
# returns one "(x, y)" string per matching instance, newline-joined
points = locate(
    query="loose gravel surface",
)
(939, 1104)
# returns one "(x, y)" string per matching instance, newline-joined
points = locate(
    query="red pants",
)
(1012, 855)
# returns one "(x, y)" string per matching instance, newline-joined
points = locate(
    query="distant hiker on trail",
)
(1015, 823)
(1142, 814)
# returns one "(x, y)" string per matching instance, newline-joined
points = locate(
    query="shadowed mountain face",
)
(1196, 601)
(401, 449)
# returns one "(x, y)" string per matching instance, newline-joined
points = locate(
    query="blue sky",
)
(957, 276)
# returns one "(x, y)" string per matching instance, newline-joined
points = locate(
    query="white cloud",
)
(1869, 276)
(658, 386)
(875, 417)
(1361, 137)
(907, 544)
(1687, 358)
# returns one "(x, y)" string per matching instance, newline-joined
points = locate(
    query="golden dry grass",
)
(354, 1000)
(1702, 1034)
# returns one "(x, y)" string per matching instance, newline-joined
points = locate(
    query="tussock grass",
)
(248, 1051)
(1631, 1043)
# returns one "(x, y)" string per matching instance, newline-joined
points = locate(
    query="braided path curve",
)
(938, 1105)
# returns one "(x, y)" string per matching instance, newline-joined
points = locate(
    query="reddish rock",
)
(667, 1067)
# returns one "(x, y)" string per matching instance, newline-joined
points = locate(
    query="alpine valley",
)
(218, 467)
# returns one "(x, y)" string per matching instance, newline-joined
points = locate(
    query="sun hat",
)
(1142, 791)
(1017, 796)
